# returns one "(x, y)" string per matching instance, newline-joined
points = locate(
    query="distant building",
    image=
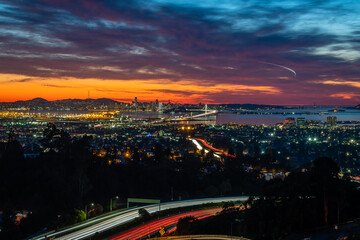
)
(268, 176)
(331, 120)
(290, 121)
(300, 121)
(160, 107)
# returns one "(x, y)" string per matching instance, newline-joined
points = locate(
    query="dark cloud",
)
(206, 43)
(179, 92)
(57, 86)
(21, 80)
(122, 91)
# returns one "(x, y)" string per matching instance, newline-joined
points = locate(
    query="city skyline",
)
(279, 53)
(131, 102)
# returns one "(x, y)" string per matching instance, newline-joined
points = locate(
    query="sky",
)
(293, 52)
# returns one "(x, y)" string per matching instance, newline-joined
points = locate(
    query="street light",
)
(117, 197)
(86, 210)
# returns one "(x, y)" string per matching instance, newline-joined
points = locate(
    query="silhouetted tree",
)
(187, 226)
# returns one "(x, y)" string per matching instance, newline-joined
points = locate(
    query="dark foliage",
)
(303, 201)
(187, 226)
(67, 175)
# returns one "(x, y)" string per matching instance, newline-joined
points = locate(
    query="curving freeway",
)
(200, 237)
(90, 228)
(211, 147)
(168, 223)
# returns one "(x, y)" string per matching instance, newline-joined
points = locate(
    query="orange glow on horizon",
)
(20, 87)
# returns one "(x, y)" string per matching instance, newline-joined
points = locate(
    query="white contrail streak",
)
(277, 65)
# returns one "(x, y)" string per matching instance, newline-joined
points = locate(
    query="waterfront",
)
(272, 117)
(266, 117)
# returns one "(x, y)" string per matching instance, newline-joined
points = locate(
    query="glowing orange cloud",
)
(19, 87)
(341, 82)
(345, 95)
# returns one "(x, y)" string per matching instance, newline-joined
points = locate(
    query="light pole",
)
(116, 198)
(110, 204)
(172, 194)
(86, 210)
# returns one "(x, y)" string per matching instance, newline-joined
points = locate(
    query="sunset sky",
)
(230, 51)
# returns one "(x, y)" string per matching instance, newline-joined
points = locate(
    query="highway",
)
(90, 228)
(200, 237)
(169, 223)
(210, 147)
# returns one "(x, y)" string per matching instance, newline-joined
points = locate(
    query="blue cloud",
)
(203, 40)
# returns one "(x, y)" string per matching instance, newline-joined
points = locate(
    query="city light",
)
(117, 116)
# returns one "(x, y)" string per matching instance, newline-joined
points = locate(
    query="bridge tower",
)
(206, 108)
(160, 107)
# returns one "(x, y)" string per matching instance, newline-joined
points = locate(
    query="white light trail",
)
(197, 144)
(277, 65)
(126, 216)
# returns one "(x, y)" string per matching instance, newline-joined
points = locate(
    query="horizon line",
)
(166, 101)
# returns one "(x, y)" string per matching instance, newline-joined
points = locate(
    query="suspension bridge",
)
(207, 112)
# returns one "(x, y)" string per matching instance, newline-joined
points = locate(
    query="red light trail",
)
(212, 148)
(154, 226)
